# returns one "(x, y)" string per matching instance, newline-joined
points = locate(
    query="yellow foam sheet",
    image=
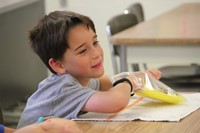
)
(169, 98)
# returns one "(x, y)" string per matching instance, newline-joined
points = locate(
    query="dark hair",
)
(49, 37)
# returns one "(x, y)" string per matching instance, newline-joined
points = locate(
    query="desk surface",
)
(179, 26)
(190, 124)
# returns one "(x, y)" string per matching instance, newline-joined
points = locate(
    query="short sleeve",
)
(72, 98)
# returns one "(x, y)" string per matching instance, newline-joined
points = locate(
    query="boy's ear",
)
(57, 66)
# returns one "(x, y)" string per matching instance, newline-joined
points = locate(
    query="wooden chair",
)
(116, 24)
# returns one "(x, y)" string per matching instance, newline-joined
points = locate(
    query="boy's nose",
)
(95, 54)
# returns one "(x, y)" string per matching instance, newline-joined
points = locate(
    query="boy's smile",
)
(98, 65)
(84, 57)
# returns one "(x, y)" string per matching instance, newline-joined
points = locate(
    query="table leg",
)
(123, 58)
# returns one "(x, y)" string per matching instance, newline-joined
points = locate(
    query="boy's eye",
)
(96, 43)
(83, 51)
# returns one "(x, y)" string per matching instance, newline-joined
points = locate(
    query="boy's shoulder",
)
(66, 80)
(54, 79)
(58, 78)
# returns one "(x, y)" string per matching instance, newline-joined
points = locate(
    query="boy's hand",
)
(137, 77)
(155, 73)
(59, 125)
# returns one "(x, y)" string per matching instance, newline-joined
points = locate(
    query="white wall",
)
(101, 10)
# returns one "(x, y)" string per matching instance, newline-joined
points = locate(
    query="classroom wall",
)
(21, 69)
(101, 10)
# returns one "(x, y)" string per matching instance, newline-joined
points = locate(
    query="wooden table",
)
(180, 26)
(190, 124)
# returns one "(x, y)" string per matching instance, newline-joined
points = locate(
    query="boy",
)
(67, 44)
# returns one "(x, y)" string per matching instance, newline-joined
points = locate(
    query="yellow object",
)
(169, 98)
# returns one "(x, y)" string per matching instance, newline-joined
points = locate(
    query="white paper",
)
(147, 109)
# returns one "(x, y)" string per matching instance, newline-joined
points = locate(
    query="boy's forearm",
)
(111, 101)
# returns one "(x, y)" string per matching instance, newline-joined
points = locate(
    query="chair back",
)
(116, 24)
(137, 9)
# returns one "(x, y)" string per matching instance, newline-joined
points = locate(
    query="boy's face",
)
(84, 57)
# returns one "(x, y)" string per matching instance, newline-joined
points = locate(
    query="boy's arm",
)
(113, 100)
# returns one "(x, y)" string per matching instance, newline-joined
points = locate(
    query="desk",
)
(189, 124)
(177, 27)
